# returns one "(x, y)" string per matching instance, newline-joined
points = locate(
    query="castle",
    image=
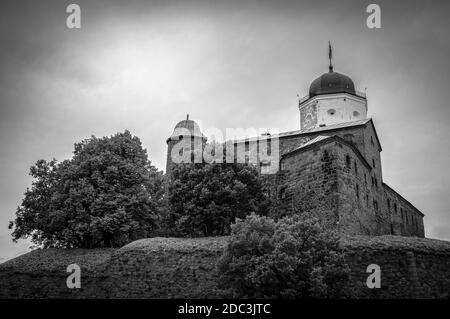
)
(330, 166)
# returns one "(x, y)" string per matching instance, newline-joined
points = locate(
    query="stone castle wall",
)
(407, 220)
(366, 205)
(330, 178)
(311, 184)
(186, 268)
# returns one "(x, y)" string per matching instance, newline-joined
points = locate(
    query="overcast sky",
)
(142, 65)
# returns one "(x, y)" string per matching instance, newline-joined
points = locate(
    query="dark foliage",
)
(106, 195)
(204, 199)
(295, 257)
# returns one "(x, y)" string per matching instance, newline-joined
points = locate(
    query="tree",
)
(106, 195)
(204, 199)
(292, 258)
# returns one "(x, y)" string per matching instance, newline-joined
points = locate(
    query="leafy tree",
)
(204, 199)
(106, 195)
(295, 257)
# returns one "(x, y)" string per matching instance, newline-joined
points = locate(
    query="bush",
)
(295, 257)
(107, 195)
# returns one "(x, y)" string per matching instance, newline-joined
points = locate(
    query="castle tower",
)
(185, 144)
(332, 99)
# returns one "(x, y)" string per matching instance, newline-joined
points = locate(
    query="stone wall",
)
(330, 177)
(410, 267)
(359, 211)
(366, 205)
(406, 219)
(311, 183)
(186, 268)
(149, 268)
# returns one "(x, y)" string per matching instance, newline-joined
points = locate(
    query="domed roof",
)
(332, 82)
(187, 127)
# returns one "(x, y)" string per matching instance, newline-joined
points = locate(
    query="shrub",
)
(295, 257)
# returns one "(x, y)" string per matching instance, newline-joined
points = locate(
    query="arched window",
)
(331, 111)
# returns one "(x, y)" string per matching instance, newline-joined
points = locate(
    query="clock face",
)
(308, 116)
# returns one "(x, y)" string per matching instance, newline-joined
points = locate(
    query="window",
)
(265, 167)
(347, 161)
(375, 205)
(356, 168)
(395, 207)
(355, 113)
(282, 192)
(349, 137)
(371, 140)
(373, 162)
(331, 111)
(357, 191)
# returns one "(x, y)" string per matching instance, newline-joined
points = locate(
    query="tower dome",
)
(332, 82)
(332, 99)
(185, 144)
(186, 127)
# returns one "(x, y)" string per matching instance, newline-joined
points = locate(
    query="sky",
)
(143, 65)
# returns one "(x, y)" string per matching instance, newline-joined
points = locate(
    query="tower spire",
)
(330, 56)
(187, 117)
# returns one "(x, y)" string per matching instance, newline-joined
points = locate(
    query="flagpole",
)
(330, 55)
